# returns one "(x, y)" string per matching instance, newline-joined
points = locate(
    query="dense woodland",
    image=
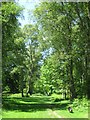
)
(49, 56)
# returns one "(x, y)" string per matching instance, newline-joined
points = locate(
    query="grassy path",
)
(53, 114)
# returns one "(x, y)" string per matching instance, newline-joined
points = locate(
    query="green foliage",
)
(80, 104)
(50, 56)
(32, 55)
(10, 48)
(65, 31)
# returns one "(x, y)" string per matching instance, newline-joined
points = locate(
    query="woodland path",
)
(54, 114)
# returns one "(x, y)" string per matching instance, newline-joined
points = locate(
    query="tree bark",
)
(22, 93)
(88, 53)
(72, 85)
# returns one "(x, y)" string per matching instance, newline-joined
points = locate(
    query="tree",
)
(32, 55)
(10, 44)
(84, 25)
(64, 28)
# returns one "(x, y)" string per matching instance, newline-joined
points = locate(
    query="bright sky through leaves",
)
(29, 5)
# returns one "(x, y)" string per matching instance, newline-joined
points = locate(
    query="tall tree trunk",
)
(87, 75)
(70, 67)
(88, 53)
(72, 86)
(30, 91)
(22, 93)
(30, 83)
(22, 89)
(85, 28)
(30, 87)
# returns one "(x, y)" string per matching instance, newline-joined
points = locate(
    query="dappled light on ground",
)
(37, 107)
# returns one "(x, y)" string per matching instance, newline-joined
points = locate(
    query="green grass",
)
(29, 114)
(0, 113)
(80, 109)
(27, 107)
(15, 106)
(76, 114)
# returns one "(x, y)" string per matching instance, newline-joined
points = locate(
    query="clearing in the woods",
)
(15, 106)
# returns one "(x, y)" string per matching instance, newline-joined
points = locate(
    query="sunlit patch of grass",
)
(57, 96)
(29, 100)
(33, 114)
(15, 95)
